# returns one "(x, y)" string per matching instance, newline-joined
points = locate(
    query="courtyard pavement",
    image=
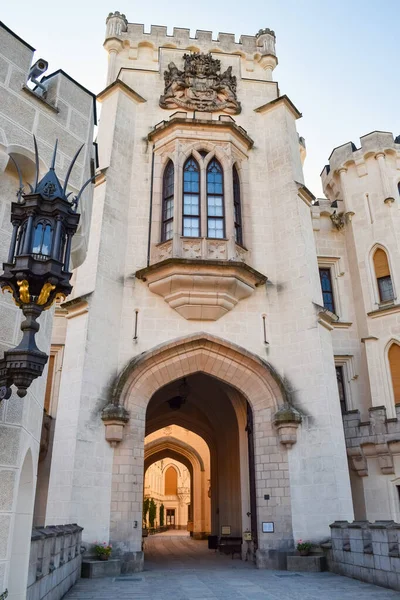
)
(179, 568)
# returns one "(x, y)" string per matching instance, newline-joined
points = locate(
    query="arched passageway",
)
(228, 397)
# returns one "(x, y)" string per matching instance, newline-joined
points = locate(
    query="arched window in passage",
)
(168, 203)
(191, 198)
(382, 274)
(215, 200)
(394, 363)
(171, 482)
(237, 207)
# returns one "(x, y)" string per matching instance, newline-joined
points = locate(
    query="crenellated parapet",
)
(130, 37)
(379, 152)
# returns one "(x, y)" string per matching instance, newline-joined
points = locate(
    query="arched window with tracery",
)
(382, 274)
(171, 482)
(394, 363)
(191, 198)
(215, 200)
(237, 207)
(168, 203)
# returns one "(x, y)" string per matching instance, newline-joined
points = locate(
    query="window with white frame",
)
(191, 198)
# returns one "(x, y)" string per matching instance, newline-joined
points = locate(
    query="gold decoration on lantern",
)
(24, 295)
(45, 293)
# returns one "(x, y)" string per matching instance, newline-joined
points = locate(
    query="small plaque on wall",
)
(268, 527)
(226, 530)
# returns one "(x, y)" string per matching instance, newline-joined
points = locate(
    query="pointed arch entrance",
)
(237, 381)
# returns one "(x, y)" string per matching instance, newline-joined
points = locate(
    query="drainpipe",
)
(151, 206)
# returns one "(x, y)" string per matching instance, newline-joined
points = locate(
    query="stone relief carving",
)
(217, 250)
(191, 249)
(200, 86)
(241, 254)
(164, 251)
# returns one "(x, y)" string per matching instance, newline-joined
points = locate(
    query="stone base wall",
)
(55, 561)
(367, 551)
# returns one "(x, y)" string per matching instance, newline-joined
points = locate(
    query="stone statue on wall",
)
(200, 86)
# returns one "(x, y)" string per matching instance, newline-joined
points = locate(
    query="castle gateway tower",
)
(197, 332)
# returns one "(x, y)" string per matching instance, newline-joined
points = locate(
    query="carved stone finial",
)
(286, 420)
(266, 31)
(117, 23)
(200, 86)
(114, 418)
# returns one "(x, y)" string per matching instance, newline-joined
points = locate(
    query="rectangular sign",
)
(268, 527)
(226, 530)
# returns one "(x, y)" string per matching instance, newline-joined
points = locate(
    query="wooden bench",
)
(230, 545)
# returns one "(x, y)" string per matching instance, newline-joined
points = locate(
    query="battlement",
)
(119, 27)
(370, 144)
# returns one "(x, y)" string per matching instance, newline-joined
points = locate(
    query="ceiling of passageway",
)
(208, 410)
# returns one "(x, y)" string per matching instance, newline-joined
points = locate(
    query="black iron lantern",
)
(37, 269)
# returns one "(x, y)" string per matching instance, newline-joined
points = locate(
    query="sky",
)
(338, 61)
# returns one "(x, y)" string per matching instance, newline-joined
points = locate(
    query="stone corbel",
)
(385, 459)
(114, 418)
(358, 462)
(286, 421)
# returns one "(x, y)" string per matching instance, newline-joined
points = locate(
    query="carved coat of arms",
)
(200, 86)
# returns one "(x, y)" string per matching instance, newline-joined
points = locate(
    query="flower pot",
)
(304, 552)
(103, 557)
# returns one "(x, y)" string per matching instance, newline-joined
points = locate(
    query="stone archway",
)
(274, 422)
(170, 447)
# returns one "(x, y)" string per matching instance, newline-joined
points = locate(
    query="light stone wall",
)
(22, 113)
(363, 182)
(314, 488)
(154, 487)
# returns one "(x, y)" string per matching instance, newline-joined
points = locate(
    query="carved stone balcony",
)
(201, 289)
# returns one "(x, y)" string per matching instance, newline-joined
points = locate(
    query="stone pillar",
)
(381, 159)
(117, 24)
(346, 196)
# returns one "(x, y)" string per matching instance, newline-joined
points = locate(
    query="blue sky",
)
(338, 61)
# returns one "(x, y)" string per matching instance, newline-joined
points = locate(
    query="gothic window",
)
(327, 289)
(191, 198)
(237, 207)
(171, 482)
(42, 239)
(215, 201)
(383, 278)
(168, 203)
(341, 388)
(394, 362)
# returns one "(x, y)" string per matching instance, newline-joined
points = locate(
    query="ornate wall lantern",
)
(37, 269)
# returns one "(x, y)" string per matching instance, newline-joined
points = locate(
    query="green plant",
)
(103, 549)
(146, 505)
(152, 512)
(304, 546)
(162, 515)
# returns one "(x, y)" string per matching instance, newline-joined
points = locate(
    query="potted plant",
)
(304, 548)
(102, 551)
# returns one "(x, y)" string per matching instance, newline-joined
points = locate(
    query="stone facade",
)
(360, 217)
(237, 315)
(67, 113)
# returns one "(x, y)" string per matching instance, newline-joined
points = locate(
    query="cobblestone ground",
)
(178, 568)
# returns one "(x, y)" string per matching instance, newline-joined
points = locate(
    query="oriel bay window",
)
(215, 201)
(168, 203)
(191, 198)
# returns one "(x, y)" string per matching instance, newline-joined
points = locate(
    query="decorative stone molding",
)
(114, 418)
(204, 290)
(286, 420)
(377, 438)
